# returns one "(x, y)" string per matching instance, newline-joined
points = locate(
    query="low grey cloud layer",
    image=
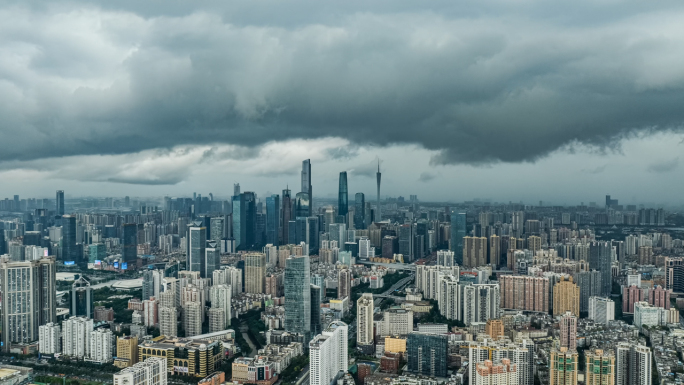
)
(480, 82)
(665, 166)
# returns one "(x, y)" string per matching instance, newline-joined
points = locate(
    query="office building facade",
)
(298, 295)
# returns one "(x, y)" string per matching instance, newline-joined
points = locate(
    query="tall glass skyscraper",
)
(244, 220)
(59, 203)
(458, 231)
(315, 310)
(212, 259)
(69, 252)
(216, 228)
(130, 243)
(273, 219)
(196, 252)
(359, 211)
(312, 234)
(306, 183)
(301, 230)
(343, 196)
(298, 296)
(82, 299)
(302, 205)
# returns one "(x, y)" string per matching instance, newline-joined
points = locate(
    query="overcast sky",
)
(504, 100)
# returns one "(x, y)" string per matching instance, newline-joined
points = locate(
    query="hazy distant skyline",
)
(497, 100)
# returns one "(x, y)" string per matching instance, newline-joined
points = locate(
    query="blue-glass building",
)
(427, 353)
(244, 220)
(298, 296)
(343, 196)
(359, 211)
(273, 219)
(197, 239)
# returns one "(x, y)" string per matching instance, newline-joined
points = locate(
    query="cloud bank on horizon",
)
(502, 86)
(473, 82)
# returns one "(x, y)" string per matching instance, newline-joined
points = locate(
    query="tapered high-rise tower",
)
(378, 216)
(343, 196)
(306, 183)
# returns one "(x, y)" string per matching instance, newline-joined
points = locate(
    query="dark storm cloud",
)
(481, 82)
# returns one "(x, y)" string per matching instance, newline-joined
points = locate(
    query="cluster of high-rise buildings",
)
(480, 267)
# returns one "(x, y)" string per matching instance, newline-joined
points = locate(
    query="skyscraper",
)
(568, 331)
(76, 336)
(328, 354)
(301, 205)
(600, 259)
(298, 295)
(212, 259)
(344, 278)
(566, 296)
(444, 257)
(589, 283)
(50, 339)
(82, 299)
(316, 296)
(480, 303)
(359, 211)
(458, 232)
(343, 198)
(633, 364)
(378, 215)
(196, 250)
(364, 319)
(255, 271)
(306, 184)
(273, 220)
(28, 298)
(220, 297)
(286, 217)
(244, 220)
(130, 244)
(217, 229)
(69, 251)
(59, 203)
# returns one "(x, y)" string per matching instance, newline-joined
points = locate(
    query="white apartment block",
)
(601, 310)
(646, 315)
(397, 322)
(76, 336)
(364, 318)
(152, 371)
(50, 338)
(328, 354)
(449, 301)
(168, 321)
(101, 346)
(220, 297)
